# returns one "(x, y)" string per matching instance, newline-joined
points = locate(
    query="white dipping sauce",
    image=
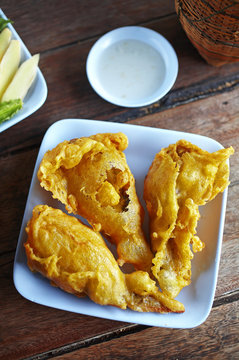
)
(131, 69)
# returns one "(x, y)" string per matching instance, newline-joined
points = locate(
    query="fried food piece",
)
(181, 178)
(76, 259)
(145, 296)
(91, 177)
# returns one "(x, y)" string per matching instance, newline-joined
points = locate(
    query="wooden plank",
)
(54, 24)
(27, 328)
(215, 117)
(15, 182)
(70, 95)
(217, 338)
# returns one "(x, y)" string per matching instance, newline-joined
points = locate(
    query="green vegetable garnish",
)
(3, 23)
(9, 108)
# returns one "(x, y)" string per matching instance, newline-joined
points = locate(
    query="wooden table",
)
(204, 100)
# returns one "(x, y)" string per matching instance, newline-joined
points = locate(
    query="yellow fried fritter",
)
(76, 259)
(91, 177)
(181, 178)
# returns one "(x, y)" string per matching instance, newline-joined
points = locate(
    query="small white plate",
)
(36, 95)
(156, 45)
(144, 143)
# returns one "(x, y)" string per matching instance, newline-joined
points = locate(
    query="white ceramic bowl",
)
(36, 95)
(153, 40)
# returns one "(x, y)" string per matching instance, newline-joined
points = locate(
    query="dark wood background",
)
(204, 100)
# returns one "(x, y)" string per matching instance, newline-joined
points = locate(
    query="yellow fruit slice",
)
(22, 80)
(9, 65)
(5, 37)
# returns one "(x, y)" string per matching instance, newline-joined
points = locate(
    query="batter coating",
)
(76, 259)
(181, 178)
(91, 177)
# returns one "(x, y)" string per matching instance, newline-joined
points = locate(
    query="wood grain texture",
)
(73, 97)
(216, 117)
(27, 328)
(59, 23)
(204, 100)
(215, 339)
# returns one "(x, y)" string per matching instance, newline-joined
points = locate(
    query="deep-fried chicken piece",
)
(181, 178)
(76, 259)
(91, 177)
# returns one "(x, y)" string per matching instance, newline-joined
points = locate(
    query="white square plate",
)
(36, 95)
(144, 143)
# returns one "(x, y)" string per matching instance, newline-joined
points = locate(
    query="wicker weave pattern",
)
(213, 28)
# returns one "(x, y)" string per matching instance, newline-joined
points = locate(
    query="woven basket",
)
(212, 27)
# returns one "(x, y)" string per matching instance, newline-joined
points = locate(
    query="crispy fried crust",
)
(91, 177)
(76, 259)
(181, 178)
